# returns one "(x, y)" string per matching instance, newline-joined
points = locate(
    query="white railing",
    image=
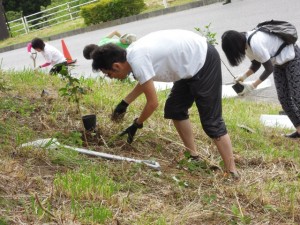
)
(49, 17)
(46, 18)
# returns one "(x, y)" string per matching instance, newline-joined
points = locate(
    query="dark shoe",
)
(293, 135)
(194, 158)
(235, 176)
(228, 1)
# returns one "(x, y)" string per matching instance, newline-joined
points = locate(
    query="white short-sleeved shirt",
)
(263, 46)
(52, 55)
(167, 55)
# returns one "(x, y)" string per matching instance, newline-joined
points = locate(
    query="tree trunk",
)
(3, 28)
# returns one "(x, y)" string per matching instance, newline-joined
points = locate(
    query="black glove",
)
(132, 130)
(119, 111)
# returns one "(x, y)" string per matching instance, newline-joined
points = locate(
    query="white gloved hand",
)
(37, 68)
(241, 78)
(247, 89)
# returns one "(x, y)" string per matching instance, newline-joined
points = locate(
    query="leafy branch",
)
(210, 36)
(73, 91)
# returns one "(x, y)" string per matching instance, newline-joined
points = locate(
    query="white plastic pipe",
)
(52, 143)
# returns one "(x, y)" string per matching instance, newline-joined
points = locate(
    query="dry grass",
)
(32, 187)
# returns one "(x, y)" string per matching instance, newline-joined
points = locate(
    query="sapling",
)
(73, 91)
(210, 36)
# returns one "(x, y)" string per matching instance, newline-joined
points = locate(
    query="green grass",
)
(40, 185)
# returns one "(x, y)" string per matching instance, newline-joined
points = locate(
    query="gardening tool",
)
(52, 143)
(237, 87)
(34, 55)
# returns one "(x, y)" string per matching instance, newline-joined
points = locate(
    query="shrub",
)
(107, 10)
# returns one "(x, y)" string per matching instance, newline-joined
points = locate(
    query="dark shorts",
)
(205, 88)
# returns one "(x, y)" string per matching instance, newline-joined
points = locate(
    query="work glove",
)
(119, 111)
(131, 130)
(247, 89)
(241, 78)
(36, 68)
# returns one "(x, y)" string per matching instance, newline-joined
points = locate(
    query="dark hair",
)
(87, 51)
(38, 43)
(234, 46)
(106, 55)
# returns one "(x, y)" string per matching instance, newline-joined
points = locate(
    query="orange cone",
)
(67, 53)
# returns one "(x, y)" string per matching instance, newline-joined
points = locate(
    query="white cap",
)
(128, 38)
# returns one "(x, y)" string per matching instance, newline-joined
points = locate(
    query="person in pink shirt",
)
(52, 56)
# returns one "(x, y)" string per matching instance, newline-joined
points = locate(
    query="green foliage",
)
(2, 222)
(107, 10)
(239, 217)
(27, 7)
(13, 15)
(210, 36)
(73, 89)
(86, 184)
(95, 213)
(3, 85)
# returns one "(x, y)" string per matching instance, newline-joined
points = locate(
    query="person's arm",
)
(268, 66)
(136, 92)
(29, 46)
(252, 69)
(149, 90)
(268, 69)
(114, 33)
(120, 110)
(152, 101)
(45, 65)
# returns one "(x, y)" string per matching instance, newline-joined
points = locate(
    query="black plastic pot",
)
(89, 122)
(238, 88)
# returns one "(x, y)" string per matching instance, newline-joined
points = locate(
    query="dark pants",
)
(287, 82)
(57, 68)
(205, 88)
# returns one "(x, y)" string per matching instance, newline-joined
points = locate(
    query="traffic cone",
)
(67, 53)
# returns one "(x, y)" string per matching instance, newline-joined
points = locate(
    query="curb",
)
(198, 3)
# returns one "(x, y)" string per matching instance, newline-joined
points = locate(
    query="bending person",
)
(51, 54)
(194, 67)
(263, 49)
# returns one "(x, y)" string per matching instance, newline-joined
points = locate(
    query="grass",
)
(79, 23)
(61, 186)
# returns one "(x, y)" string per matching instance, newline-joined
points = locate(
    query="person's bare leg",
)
(224, 146)
(184, 129)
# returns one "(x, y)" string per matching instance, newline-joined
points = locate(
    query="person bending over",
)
(52, 56)
(285, 65)
(178, 56)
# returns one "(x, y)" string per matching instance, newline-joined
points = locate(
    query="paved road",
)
(240, 15)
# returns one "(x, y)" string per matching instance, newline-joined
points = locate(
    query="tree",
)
(3, 28)
(26, 6)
